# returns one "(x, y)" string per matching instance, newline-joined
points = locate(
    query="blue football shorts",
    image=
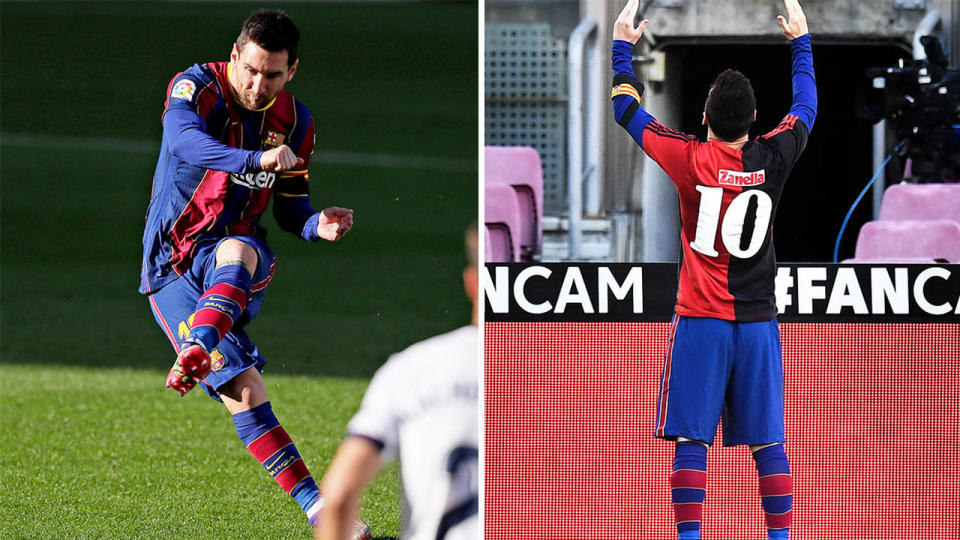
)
(722, 370)
(173, 307)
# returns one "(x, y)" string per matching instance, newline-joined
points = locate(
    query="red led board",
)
(872, 413)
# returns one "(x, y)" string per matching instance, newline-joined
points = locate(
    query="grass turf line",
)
(112, 453)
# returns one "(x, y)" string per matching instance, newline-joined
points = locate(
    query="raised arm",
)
(790, 137)
(627, 90)
(804, 83)
(665, 146)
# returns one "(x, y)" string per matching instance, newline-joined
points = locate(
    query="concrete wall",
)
(563, 15)
(840, 18)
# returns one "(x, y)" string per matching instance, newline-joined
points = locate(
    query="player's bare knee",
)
(684, 439)
(237, 252)
(755, 447)
(244, 392)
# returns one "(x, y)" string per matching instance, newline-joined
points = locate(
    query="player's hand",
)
(334, 223)
(796, 25)
(279, 159)
(623, 29)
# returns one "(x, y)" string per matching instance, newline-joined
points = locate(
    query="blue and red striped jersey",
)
(728, 196)
(208, 183)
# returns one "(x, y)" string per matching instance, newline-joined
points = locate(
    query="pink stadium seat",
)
(519, 167)
(488, 246)
(501, 215)
(896, 240)
(921, 202)
(872, 260)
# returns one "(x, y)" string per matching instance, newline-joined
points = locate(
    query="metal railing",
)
(584, 129)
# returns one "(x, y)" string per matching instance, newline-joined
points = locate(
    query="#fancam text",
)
(633, 292)
(886, 290)
(589, 294)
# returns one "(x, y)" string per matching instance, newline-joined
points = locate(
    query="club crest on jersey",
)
(273, 139)
(727, 177)
(260, 180)
(216, 360)
(184, 89)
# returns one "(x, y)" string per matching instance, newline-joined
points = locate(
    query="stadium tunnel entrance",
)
(837, 162)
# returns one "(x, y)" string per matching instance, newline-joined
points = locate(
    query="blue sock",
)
(688, 488)
(220, 305)
(270, 445)
(776, 490)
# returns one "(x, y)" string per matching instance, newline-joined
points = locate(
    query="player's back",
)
(439, 440)
(430, 390)
(728, 199)
(728, 195)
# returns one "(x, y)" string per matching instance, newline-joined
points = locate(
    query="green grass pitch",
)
(94, 446)
(112, 454)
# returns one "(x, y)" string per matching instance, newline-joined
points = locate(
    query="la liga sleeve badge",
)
(184, 89)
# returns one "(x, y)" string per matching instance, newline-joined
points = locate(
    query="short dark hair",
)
(273, 30)
(730, 105)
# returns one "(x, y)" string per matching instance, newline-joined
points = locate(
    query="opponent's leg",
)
(776, 488)
(688, 487)
(246, 398)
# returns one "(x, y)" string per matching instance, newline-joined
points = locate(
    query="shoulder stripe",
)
(663, 131)
(787, 123)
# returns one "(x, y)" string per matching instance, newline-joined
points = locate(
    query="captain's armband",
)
(626, 85)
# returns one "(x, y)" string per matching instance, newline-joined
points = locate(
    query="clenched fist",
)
(279, 159)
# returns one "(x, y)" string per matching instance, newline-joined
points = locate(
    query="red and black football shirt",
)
(728, 196)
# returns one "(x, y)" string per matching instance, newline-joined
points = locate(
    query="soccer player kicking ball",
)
(421, 406)
(233, 138)
(723, 359)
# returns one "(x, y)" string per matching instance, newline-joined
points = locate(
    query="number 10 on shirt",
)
(747, 218)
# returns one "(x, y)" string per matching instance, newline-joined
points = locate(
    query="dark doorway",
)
(837, 163)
